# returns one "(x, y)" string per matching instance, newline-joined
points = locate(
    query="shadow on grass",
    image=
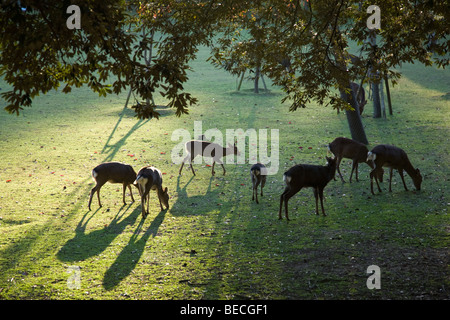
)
(85, 245)
(193, 205)
(131, 253)
(112, 149)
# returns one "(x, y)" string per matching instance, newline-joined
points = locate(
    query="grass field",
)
(214, 242)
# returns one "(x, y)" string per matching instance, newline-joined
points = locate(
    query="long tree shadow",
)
(112, 149)
(131, 253)
(85, 245)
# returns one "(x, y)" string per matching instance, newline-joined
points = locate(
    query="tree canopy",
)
(39, 53)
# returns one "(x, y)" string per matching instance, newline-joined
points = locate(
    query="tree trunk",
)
(257, 74)
(376, 99)
(374, 82)
(353, 117)
(383, 108)
(388, 93)
(240, 81)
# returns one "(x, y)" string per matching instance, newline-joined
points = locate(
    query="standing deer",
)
(258, 173)
(150, 178)
(394, 158)
(347, 148)
(113, 172)
(207, 149)
(304, 175)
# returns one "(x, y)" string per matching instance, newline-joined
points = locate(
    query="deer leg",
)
(374, 175)
(281, 202)
(354, 164)
(143, 198)
(321, 202)
(287, 194)
(212, 170)
(354, 168)
(98, 196)
(159, 198)
(190, 163)
(315, 196)
(223, 168)
(131, 193)
(400, 171)
(124, 189)
(371, 181)
(94, 189)
(263, 183)
(255, 190)
(390, 178)
(339, 159)
(376, 180)
(148, 203)
(286, 208)
(182, 164)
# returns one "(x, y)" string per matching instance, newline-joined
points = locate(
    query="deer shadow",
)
(85, 245)
(132, 252)
(192, 205)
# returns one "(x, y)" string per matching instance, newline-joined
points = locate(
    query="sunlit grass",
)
(214, 242)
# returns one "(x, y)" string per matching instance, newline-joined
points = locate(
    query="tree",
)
(39, 53)
(315, 34)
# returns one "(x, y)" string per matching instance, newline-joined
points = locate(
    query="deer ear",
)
(165, 190)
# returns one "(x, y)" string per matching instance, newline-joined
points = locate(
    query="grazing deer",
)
(304, 175)
(150, 178)
(361, 97)
(394, 158)
(207, 149)
(113, 172)
(347, 148)
(258, 172)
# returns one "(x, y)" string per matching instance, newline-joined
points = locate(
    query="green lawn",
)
(214, 242)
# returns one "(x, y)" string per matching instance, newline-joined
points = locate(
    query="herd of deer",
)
(299, 176)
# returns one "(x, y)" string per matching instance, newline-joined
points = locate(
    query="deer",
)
(258, 173)
(207, 149)
(347, 148)
(305, 175)
(384, 155)
(113, 172)
(150, 178)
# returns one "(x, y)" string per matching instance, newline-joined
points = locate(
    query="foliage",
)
(39, 54)
(315, 35)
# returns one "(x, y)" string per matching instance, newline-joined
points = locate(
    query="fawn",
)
(258, 173)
